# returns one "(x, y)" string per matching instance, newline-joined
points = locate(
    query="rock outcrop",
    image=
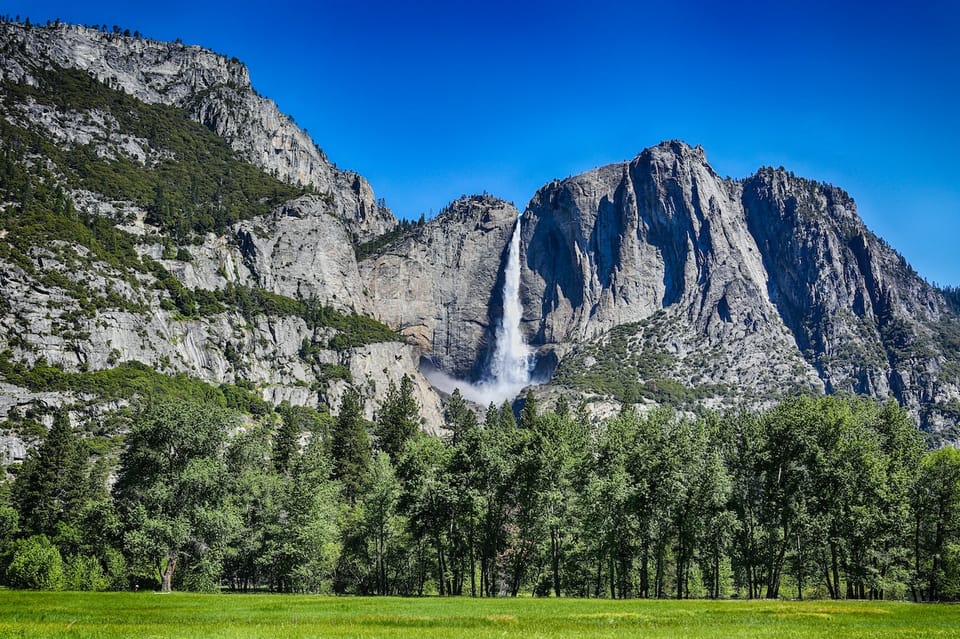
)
(860, 313)
(302, 251)
(440, 286)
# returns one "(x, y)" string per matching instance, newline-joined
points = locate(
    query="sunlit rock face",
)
(764, 286)
(708, 291)
(302, 249)
(440, 286)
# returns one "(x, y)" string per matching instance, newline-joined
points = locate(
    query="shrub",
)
(35, 564)
(85, 573)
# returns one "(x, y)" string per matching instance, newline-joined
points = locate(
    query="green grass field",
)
(146, 615)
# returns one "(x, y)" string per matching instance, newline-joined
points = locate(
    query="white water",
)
(510, 365)
(512, 358)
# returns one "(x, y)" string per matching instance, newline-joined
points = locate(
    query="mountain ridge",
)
(664, 232)
(652, 280)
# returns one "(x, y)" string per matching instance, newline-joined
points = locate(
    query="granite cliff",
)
(717, 291)
(438, 285)
(161, 217)
(213, 89)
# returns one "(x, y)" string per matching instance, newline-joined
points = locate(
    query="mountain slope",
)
(159, 217)
(728, 291)
(134, 239)
(214, 90)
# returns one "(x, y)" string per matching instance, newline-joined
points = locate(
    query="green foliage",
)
(629, 364)
(127, 381)
(9, 524)
(351, 330)
(952, 295)
(936, 501)
(171, 488)
(350, 446)
(49, 487)
(398, 419)
(46, 218)
(295, 423)
(377, 246)
(817, 497)
(35, 564)
(195, 185)
(382, 528)
(310, 534)
(85, 573)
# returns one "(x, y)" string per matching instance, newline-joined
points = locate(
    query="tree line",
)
(830, 497)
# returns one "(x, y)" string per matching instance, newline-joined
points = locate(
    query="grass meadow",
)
(148, 615)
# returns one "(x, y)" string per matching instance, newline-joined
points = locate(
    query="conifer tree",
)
(350, 447)
(399, 417)
(458, 417)
(49, 488)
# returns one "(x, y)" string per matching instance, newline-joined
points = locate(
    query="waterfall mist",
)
(512, 360)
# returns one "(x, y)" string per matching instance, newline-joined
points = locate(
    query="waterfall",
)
(509, 369)
(510, 365)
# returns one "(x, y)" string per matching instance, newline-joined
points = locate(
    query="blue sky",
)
(431, 100)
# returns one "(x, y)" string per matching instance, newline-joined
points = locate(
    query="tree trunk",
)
(484, 580)
(597, 586)
(826, 576)
(776, 566)
(916, 559)
(613, 572)
(473, 564)
(716, 573)
(644, 569)
(799, 570)
(835, 570)
(680, 552)
(938, 550)
(555, 559)
(441, 569)
(658, 580)
(167, 584)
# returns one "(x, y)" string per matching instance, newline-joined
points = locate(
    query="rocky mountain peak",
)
(773, 274)
(214, 89)
(153, 71)
(670, 151)
(479, 209)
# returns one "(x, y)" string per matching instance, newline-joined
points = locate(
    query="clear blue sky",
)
(431, 100)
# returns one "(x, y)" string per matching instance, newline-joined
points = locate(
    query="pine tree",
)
(399, 417)
(458, 417)
(529, 414)
(49, 488)
(350, 447)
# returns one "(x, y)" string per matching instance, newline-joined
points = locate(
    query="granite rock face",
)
(216, 90)
(774, 278)
(679, 285)
(864, 318)
(303, 251)
(441, 286)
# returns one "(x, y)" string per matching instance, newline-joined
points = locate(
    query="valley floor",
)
(108, 615)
